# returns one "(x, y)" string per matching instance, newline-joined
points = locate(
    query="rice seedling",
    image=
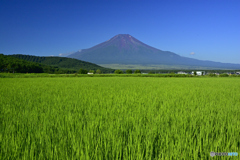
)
(118, 117)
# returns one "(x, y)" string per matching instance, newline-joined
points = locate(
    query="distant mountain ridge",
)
(125, 49)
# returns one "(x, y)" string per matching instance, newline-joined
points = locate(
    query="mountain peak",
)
(121, 48)
(124, 36)
(125, 49)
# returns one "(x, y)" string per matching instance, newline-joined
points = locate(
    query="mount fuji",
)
(124, 49)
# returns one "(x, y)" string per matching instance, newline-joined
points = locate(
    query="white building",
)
(89, 73)
(199, 73)
(181, 72)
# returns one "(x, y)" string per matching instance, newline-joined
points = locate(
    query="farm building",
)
(181, 72)
(199, 73)
(89, 73)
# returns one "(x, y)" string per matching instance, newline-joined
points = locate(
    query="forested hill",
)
(11, 64)
(63, 62)
(16, 65)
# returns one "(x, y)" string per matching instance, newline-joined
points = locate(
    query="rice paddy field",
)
(119, 118)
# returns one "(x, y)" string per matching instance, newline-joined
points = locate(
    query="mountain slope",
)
(121, 48)
(125, 49)
(63, 62)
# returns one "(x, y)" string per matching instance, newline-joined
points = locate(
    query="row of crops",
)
(118, 117)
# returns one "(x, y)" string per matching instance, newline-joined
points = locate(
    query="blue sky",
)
(201, 29)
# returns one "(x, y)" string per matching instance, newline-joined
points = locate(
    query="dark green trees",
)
(15, 65)
(82, 71)
(118, 72)
(98, 71)
(63, 63)
(92, 71)
(137, 71)
(129, 71)
(223, 75)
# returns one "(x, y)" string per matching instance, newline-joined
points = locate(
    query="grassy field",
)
(119, 118)
(45, 75)
(154, 67)
(40, 75)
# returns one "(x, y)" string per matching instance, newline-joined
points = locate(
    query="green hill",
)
(63, 63)
(15, 65)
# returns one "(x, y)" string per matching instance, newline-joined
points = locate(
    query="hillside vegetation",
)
(12, 64)
(63, 62)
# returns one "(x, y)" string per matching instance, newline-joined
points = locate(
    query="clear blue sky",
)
(208, 28)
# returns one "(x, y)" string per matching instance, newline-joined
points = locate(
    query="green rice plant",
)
(118, 117)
